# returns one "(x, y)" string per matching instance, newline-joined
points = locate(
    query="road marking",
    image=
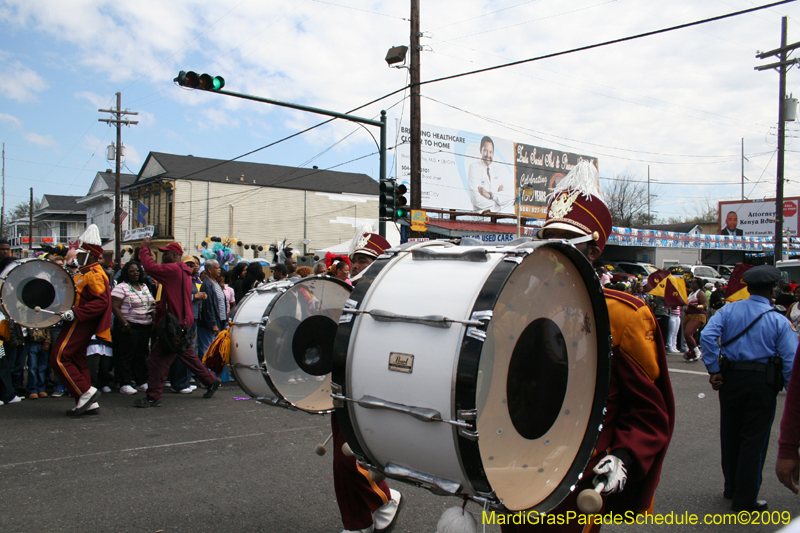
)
(688, 372)
(140, 448)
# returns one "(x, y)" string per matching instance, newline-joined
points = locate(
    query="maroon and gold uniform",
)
(92, 317)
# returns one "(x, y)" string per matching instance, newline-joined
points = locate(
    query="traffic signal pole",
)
(352, 118)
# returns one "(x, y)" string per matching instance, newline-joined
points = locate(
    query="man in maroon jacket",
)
(175, 278)
(788, 465)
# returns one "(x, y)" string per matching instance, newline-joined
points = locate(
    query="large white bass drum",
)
(476, 371)
(282, 336)
(35, 292)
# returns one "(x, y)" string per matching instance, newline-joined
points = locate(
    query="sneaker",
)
(147, 402)
(58, 392)
(212, 388)
(87, 398)
(106, 389)
(42, 395)
(143, 387)
(187, 390)
(15, 399)
(93, 409)
(127, 389)
(34, 396)
(693, 358)
(193, 387)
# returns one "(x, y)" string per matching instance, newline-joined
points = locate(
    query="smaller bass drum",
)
(33, 283)
(282, 338)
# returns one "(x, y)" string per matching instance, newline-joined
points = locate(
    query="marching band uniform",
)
(640, 412)
(91, 315)
(366, 506)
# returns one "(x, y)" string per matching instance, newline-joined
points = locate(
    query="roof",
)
(159, 165)
(56, 203)
(111, 179)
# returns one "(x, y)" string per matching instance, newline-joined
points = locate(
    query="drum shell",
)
(246, 364)
(445, 370)
(22, 271)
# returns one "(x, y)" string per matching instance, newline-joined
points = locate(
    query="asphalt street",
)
(227, 465)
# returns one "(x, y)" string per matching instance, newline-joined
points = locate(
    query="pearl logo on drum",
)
(401, 362)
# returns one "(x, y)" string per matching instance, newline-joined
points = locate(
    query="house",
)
(58, 220)
(187, 199)
(99, 203)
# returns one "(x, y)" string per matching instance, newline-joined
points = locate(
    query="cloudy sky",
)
(679, 102)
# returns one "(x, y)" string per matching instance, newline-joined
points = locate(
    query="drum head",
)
(297, 341)
(538, 398)
(32, 283)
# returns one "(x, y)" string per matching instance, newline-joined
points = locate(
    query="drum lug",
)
(483, 317)
(346, 316)
(467, 418)
(336, 394)
(489, 499)
(438, 486)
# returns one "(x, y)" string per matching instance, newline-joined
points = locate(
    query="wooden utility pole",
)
(781, 66)
(30, 225)
(3, 207)
(118, 122)
(742, 172)
(416, 119)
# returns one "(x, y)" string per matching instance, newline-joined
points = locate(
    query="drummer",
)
(367, 249)
(640, 413)
(365, 506)
(90, 316)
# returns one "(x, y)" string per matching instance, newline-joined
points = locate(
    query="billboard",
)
(756, 218)
(468, 171)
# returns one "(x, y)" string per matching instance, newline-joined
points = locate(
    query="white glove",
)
(611, 471)
(69, 316)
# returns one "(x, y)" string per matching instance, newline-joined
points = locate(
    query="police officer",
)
(757, 351)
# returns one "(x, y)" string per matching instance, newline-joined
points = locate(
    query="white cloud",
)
(11, 119)
(41, 140)
(20, 82)
(98, 101)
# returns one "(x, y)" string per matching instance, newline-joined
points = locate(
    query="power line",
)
(607, 43)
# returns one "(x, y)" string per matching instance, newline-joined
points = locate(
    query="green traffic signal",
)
(194, 81)
(401, 203)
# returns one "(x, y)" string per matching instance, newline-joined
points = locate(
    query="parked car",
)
(701, 271)
(724, 271)
(637, 269)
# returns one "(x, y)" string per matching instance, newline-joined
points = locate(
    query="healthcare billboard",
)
(756, 218)
(473, 172)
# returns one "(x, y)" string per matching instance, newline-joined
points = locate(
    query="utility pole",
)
(416, 119)
(781, 65)
(30, 225)
(743, 169)
(648, 195)
(118, 122)
(3, 207)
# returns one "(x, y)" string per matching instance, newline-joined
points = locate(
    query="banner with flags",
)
(141, 213)
(737, 289)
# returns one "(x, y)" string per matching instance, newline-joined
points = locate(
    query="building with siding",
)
(57, 220)
(189, 198)
(99, 203)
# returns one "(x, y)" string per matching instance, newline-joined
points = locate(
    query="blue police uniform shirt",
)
(772, 335)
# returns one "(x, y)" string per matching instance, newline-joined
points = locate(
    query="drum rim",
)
(262, 330)
(17, 262)
(466, 388)
(239, 306)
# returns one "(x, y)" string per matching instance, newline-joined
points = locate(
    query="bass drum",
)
(282, 338)
(476, 371)
(33, 283)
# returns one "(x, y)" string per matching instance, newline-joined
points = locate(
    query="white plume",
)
(91, 236)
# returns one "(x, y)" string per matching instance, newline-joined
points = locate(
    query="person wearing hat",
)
(91, 315)
(175, 277)
(748, 349)
(368, 247)
(640, 413)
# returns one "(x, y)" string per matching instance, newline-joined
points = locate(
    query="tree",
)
(704, 210)
(627, 200)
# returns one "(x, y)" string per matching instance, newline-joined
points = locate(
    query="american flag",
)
(122, 215)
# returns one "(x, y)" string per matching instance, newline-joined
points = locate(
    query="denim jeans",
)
(17, 356)
(38, 359)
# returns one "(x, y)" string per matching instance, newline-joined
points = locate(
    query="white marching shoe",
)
(384, 517)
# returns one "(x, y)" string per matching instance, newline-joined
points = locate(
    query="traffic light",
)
(387, 199)
(401, 202)
(194, 81)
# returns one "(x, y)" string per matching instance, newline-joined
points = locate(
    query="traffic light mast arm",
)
(300, 107)
(379, 123)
